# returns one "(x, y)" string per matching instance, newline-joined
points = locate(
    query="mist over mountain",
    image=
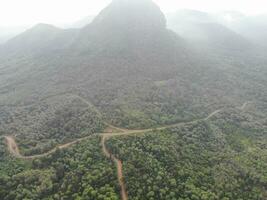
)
(185, 96)
(128, 41)
(254, 28)
(81, 23)
(40, 39)
(8, 32)
(123, 26)
(208, 31)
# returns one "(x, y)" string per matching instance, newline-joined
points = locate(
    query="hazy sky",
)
(29, 12)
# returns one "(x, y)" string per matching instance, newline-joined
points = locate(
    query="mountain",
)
(129, 65)
(40, 39)
(254, 28)
(80, 23)
(125, 25)
(128, 44)
(8, 32)
(181, 116)
(207, 32)
(189, 16)
(251, 27)
(229, 17)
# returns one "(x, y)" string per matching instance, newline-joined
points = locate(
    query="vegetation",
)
(56, 120)
(8, 164)
(127, 69)
(197, 161)
(78, 173)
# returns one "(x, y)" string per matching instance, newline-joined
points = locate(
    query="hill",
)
(206, 31)
(127, 69)
(40, 39)
(252, 27)
(126, 44)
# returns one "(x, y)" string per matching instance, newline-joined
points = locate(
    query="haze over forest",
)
(75, 14)
(132, 103)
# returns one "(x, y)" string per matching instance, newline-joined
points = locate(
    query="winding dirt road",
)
(14, 149)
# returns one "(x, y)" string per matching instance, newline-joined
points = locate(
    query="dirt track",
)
(118, 163)
(244, 105)
(14, 149)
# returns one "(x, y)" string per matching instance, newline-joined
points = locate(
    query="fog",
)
(137, 100)
(58, 12)
(16, 16)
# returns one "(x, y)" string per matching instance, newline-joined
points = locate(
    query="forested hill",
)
(129, 65)
(126, 68)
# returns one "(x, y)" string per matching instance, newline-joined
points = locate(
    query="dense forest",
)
(198, 104)
(220, 158)
(55, 120)
(202, 160)
(80, 172)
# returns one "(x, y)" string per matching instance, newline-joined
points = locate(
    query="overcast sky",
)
(30, 12)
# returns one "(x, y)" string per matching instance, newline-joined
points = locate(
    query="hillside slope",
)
(135, 71)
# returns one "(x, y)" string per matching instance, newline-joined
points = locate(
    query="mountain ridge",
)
(97, 60)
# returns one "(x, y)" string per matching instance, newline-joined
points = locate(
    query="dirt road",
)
(212, 114)
(14, 149)
(244, 105)
(118, 163)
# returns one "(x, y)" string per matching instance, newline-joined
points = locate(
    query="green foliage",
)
(152, 105)
(80, 172)
(138, 75)
(55, 120)
(197, 161)
(9, 165)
